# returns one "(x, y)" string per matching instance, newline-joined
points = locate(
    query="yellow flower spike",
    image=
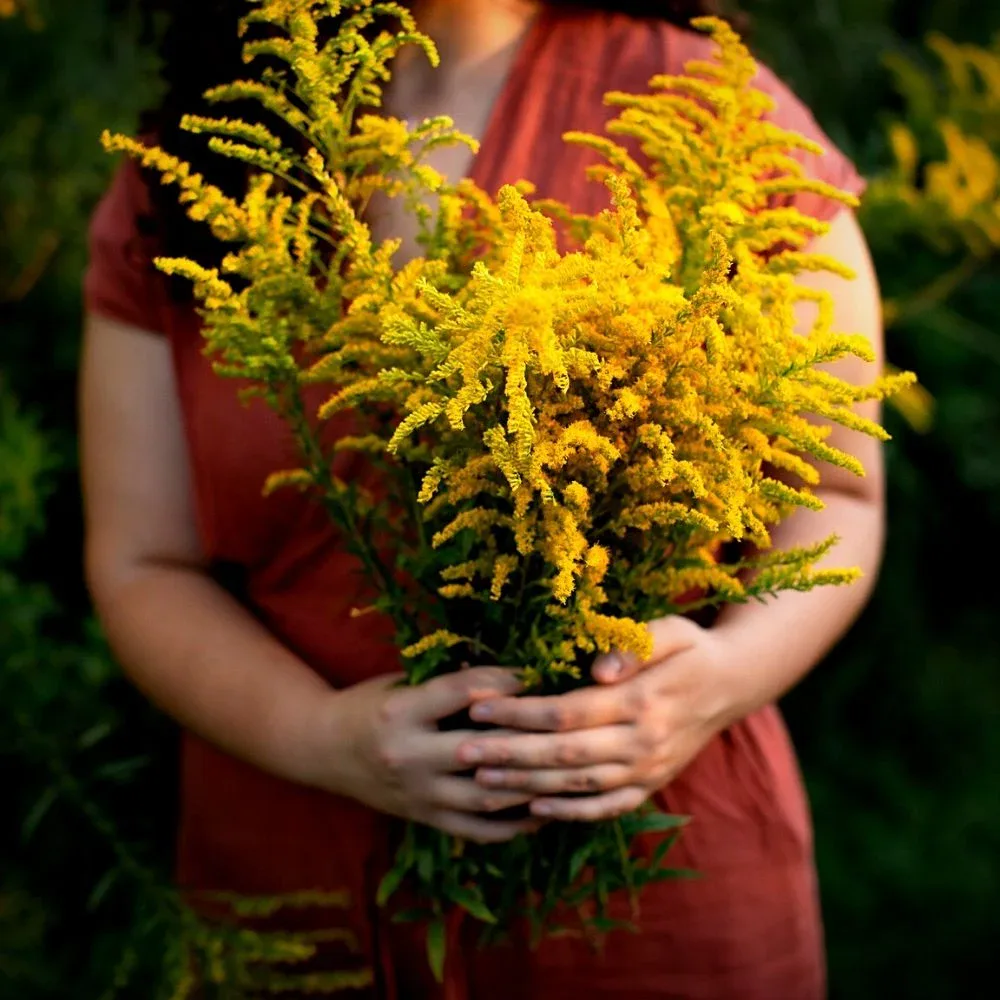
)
(300, 478)
(606, 633)
(597, 561)
(441, 639)
(477, 520)
(503, 569)
(577, 497)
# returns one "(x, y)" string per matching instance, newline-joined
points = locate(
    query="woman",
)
(232, 612)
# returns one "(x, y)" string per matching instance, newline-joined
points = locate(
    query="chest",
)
(472, 110)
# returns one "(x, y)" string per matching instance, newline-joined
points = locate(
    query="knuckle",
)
(638, 702)
(390, 758)
(390, 710)
(568, 754)
(585, 782)
(498, 752)
(646, 740)
(557, 718)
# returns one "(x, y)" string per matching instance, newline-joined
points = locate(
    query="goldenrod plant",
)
(573, 439)
(945, 181)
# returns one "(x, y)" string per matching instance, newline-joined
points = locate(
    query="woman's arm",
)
(645, 722)
(199, 655)
(189, 646)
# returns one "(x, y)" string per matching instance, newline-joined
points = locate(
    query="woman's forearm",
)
(773, 645)
(203, 659)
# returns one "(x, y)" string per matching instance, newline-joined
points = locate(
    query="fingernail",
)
(541, 808)
(470, 755)
(610, 667)
(488, 777)
(481, 713)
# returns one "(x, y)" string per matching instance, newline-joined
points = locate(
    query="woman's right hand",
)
(385, 749)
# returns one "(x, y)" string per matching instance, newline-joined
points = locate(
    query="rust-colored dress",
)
(749, 928)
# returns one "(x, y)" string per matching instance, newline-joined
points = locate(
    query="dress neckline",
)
(498, 119)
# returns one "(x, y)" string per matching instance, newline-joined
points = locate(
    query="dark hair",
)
(200, 48)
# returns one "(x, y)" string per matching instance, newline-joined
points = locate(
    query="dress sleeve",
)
(832, 166)
(120, 280)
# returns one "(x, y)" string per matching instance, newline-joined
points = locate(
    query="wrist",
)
(307, 734)
(332, 747)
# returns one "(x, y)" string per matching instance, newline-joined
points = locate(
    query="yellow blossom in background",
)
(571, 440)
(942, 190)
(946, 176)
(11, 8)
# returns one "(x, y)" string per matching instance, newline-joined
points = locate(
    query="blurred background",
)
(899, 732)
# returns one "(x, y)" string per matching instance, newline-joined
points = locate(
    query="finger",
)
(586, 708)
(431, 750)
(479, 830)
(467, 795)
(557, 781)
(591, 808)
(443, 696)
(670, 634)
(607, 744)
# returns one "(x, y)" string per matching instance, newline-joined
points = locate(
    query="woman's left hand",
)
(620, 740)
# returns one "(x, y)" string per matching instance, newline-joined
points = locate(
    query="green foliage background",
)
(899, 731)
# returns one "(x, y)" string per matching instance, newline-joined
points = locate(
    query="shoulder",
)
(120, 280)
(607, 51)
(619, 52)
(116, 219)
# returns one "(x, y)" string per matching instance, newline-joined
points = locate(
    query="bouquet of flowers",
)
(569, 436)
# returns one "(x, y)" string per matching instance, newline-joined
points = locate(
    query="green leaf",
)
(94, 735)
(655, 822)
(391, 881)
(436, 945)
(668, 874)
(122, 770)
(38, 811)
(604, 925)
(404, 856)
(580, 857)
(425, 865)
(661, 850)
(411, 915)
(96, 897)
(472, 902)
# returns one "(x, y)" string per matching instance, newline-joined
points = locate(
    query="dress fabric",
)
(749, 928)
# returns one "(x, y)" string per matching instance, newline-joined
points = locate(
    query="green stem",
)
(343, 515)
(625, 858)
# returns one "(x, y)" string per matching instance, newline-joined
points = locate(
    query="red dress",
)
(749, 928)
